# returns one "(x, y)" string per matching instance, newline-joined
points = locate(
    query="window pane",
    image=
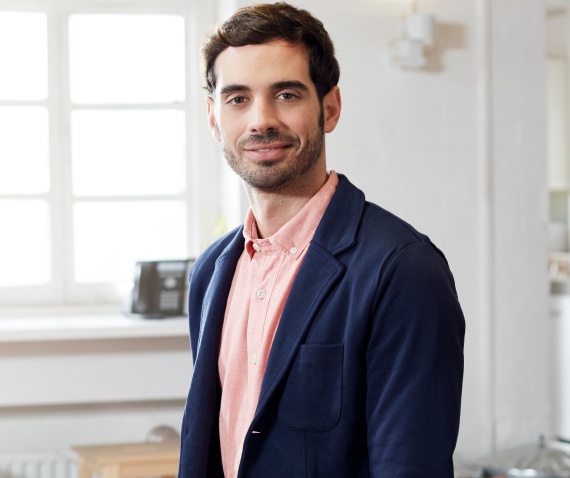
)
(128, 152)
(126, 58)
(24, 150)
(110, 237)
(23, 56)
(25, 245)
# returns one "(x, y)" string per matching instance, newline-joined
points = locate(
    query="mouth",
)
(264, 148)
(267, 151)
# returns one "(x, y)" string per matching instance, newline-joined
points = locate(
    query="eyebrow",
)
(290, 84)
(237, 88)
(226, 90)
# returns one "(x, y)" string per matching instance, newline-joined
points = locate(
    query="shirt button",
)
(293, 250)
(260, 293)
(253, 358)
(257, 247)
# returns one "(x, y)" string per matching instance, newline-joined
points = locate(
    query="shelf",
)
(63, 324)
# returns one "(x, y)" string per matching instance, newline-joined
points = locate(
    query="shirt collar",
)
(295, 235)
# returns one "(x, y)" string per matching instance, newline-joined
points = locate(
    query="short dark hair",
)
(258, 24)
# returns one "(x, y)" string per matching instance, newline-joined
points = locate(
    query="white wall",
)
(521, 410)
(59, 393)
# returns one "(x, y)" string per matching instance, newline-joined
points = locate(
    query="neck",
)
(273, 209)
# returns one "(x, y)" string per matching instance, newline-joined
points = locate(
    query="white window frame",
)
(203, 191)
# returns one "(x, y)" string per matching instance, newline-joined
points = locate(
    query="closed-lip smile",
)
(265, 152)
(266, 147)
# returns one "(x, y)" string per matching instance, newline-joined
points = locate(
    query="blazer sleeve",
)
(414, 368)
(193, 313)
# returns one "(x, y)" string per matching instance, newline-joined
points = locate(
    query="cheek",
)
(298, 124)
(228, 129)
(308, 129)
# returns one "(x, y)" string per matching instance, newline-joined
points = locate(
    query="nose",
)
(263, 116)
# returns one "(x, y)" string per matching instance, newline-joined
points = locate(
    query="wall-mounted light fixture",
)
(408, 51)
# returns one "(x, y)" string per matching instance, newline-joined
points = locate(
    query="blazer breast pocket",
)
(312, 396)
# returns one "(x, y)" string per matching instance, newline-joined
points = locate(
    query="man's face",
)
(267, 114)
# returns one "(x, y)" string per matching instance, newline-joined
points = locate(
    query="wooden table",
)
(128, 460)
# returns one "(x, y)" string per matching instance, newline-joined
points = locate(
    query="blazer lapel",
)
(317, 275)
(215, 299)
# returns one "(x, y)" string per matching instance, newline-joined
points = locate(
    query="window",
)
(96, 162)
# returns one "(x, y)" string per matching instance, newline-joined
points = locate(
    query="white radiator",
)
(38, 465)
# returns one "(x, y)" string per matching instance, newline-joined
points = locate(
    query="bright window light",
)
(23, 56)
(25, 246)
(95, 125)
(126, 58)
(24, 163)
(111, 236)
(128, 152)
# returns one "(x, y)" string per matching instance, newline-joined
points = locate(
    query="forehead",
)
(258, 65)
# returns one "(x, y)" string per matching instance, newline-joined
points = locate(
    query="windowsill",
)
(51, 324)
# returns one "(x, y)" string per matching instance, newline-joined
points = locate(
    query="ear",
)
(212, 119)
(331, 109)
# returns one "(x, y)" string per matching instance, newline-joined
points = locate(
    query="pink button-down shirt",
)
(260, 287)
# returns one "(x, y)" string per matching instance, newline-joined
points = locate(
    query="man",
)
(326, 333)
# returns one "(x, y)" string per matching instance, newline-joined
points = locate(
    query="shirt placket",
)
(267, 262)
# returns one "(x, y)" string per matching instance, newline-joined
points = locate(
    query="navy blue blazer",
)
(365, 373)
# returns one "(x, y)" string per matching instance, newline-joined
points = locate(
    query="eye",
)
(236, 100)
(287, 96)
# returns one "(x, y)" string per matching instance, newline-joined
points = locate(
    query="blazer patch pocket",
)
(312, 395)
